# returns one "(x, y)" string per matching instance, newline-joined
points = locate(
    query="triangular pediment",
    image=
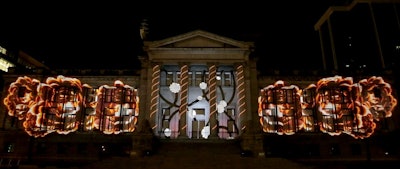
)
(198, 46)
(198, 39)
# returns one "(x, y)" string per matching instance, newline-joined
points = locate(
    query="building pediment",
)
(197, 39)
(197, 45)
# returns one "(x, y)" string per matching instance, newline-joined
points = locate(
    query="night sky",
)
(74, 34)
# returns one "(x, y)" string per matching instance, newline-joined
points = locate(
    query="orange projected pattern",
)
(334, 105)
(21, 96)
(377, 95)
(56, 106)
(279, 108)
(119, 104)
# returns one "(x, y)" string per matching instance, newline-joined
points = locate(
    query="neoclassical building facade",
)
(197, 86)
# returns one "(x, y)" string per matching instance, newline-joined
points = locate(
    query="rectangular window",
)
(129, 95)
(108, 95)
(227, 79)
(270, 120)
(200, 111)
(118, 95)
(280, 97)
(328, 123)
(198, 78)
(178, 77)
(190, 77)
(289, 95)
(90, 95)
(308, 97)
(165, 118)
(68, 121)
(347, 123)
(165, 124)
(219, 79)
(90, 119)
(127, 119)
(231, 126)
(166, 113)
(308, 116)
(206, 77)
(231, 112)
(51, 120)
(289, 125)
(197, 126)
(108, 124)
(170, 78)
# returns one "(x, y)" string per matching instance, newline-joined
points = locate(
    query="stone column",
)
(240, 81)
(212, 83)
(183, 108)
(154, 96)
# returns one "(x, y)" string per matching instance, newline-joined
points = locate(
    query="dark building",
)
(357, 36)
(199, 101)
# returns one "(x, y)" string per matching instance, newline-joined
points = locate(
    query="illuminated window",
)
(3, 50)
(198, 123)
(206, 76)
(198, 78)
(219, 79)
(4, 65)
(90, 119)
(90, 95)
(129, 96)
(169, 78)
(231, 124)
(89, 109)
(178, 77)
(51, 119)
(227, 79)
(308, 114)
(224, 78)
(108, 123)
(128, 118)
(190, 77)
(68, 121)
(169, 74)
(309, 121)
(165, 120)
(118, 95)
(109, 95)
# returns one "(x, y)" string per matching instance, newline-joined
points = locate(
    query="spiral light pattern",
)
(155, 81)
(241, 93)
(212, 82)
(184, 81)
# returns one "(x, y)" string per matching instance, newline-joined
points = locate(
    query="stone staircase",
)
(191, 154)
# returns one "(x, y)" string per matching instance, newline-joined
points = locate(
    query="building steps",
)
(195, 155)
